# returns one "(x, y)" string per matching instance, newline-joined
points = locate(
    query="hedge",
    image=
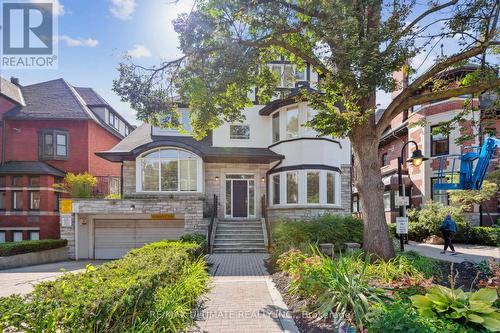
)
(336, 229)
(13, 248)
(151, 289)
(466, 235)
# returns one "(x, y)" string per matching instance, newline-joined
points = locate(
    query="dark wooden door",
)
(240, 198)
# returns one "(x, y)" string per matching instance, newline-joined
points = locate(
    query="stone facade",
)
(215, 182)
(188, 206)
(306, 212)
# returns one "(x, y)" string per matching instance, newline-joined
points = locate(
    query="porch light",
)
(216, 178)
(132, 207)
(417, 158)
(263, 179)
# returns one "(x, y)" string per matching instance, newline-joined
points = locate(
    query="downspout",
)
(121, 181)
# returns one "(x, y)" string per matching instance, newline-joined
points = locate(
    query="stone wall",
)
(128, 178)
(187, 206)
(217, 186)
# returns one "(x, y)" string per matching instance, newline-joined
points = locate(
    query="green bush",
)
(401, 317)
(151, 289)
(78, 186)
(13, 248)
(334, 229)
(426, 222)
(197, 238)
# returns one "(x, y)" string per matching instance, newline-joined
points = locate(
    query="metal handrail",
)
(211, 224)
(266, 220)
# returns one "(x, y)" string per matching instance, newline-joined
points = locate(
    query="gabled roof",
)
(142, 140)
(11, 91)
(29, 168)
(54, 99)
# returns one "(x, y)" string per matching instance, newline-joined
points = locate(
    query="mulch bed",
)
(466, 277)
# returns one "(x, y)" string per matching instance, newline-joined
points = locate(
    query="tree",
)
(355, 46)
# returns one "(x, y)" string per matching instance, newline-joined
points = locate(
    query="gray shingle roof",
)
(90, 97)
(11, 91)
(54, 99)
(141, 140)
(29, 168)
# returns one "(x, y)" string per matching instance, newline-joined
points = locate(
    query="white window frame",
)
(14, 233)
(3, 237)
(35, 232)
(289, 134)
(199, 171)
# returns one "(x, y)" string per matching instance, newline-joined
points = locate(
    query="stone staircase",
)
(239, 236)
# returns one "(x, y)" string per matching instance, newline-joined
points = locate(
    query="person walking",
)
(448, 229)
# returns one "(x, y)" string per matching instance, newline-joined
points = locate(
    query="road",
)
(21, 280)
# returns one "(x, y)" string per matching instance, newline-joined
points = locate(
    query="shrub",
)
(401, 317)
(113, 196)
(78, 186)
(475, 308)
(143, 291)
(427, 266)
(13, 248)
(197, 238)
(334, 229)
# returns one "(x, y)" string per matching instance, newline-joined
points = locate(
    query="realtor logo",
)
(28, 33)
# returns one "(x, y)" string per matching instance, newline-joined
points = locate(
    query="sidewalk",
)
(466, 252)
(243, 299)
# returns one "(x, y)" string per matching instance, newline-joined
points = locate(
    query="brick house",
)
(267, 168)
(48, 129)
(417, 125)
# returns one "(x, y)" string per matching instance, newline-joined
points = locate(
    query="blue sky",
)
(94, 36)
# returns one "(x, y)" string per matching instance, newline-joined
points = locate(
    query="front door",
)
(240, 198)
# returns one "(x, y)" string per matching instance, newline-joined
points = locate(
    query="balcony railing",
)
(107, 185)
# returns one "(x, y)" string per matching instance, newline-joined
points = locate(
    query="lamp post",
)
(416, 159)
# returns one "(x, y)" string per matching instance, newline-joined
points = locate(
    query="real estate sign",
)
(66, 206)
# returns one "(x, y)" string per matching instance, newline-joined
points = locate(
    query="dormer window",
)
(53, 145)
(288, 75)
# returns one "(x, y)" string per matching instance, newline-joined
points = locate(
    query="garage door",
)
(114, 238)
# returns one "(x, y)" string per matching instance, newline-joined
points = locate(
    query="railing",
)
(107, 185)
(211, 224)
(266, 220)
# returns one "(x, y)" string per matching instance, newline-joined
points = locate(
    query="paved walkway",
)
(21, 280)
(243, 299)
(466, 252)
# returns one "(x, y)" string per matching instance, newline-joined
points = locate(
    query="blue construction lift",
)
(473, 167)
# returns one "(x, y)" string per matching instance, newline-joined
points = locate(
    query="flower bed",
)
(13, 248)
(151, 289)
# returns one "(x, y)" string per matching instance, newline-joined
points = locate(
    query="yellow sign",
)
(66, 206)
(163, 216)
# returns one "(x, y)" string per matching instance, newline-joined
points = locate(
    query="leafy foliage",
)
(152, 288)
(476, 307)
(401, 317)
(78, 185)
(324, 229)
(464, 199)
(13, 248)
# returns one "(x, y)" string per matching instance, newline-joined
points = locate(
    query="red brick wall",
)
(100, 139)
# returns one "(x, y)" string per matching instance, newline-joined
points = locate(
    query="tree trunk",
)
(368, 181)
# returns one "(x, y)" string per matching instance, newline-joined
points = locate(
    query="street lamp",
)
(416, 160)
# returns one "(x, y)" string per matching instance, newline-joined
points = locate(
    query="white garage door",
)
(114, 238)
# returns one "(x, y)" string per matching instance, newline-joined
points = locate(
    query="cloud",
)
(122, 9)
(139, 51)
(58, 8)
(85, 42)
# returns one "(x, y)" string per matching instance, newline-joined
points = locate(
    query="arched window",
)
(169, 170)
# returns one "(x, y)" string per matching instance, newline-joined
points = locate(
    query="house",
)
(48, 129)
(417, 125)
(268, 168)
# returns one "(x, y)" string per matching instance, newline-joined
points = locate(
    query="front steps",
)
(239, 236)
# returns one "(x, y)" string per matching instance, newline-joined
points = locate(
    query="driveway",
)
(21, 280)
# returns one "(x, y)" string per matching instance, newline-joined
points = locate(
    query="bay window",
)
(313, 187)
(330, 188)
(169, 170)
(292, 123)
(276, 189)
(292, 187)
(276, 127)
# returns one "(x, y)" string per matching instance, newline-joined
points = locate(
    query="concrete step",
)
(240, 237)
(242, 243)
(240, 250)
(239, 227)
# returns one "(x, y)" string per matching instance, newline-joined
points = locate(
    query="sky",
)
(95, 35)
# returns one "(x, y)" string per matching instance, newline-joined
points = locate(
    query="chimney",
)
(401, 77)
(14, 80)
